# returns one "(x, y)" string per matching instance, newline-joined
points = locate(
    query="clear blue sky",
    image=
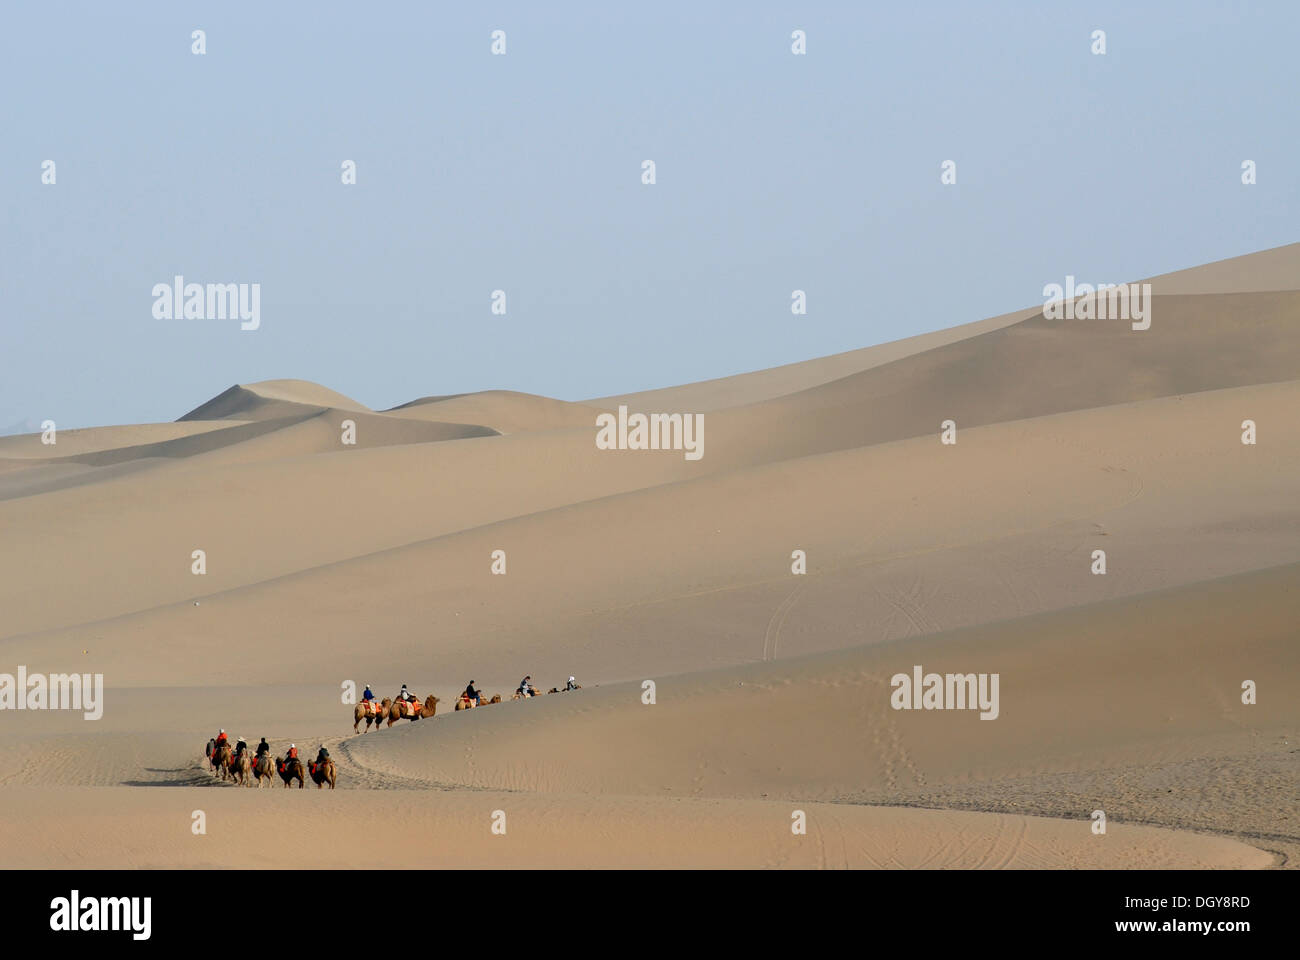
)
(478, 172)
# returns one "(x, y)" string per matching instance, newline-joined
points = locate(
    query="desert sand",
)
(332, 564)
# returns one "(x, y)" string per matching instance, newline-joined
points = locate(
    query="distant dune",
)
(342, 544)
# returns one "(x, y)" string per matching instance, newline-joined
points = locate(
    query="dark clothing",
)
(367, 695)
(240, 747)
(471, 693)
(322, 755)
(263, 748)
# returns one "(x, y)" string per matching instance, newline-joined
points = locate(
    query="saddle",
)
(370, 707)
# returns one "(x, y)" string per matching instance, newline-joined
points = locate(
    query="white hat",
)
(223, 729)
(571, 679)
(293, 746)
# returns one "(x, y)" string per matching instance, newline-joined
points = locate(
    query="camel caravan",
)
(235, 764)
(408, 707)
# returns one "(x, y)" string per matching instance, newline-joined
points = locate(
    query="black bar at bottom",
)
(472, 909)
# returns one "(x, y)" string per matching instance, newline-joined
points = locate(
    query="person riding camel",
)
(526, 688)
(263, 749)
(322, 754)
(240, 746)
(571, 685)
(472, 694)
(290, 755)
(406, 695)
(369, 694)
(222, 738)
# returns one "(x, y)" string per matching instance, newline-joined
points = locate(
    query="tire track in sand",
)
(774, 625)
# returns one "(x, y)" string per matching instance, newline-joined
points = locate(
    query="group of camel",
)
(245, 769)
(377, 711)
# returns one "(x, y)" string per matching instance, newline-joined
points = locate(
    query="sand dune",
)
(330, 562)
(1277, 269)
(747, 388)
(505, 411)
(1034, 368)
(101, 828)
(1128, 679)
(707, 557)
(270, 398)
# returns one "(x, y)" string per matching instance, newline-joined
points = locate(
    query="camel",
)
(402, 710)
(289, 770)
(221, 758)
(263, 768)
(371, 712)
(465, 703)
(240, 768)
(323, 773)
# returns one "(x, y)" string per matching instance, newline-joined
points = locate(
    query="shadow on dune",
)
(182, 777)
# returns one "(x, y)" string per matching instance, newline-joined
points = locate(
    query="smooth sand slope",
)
(372, 562)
